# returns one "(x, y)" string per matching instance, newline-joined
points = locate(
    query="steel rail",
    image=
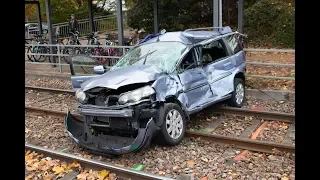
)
(266, 115)
(54, 90)
(243, 143)
(121, 172)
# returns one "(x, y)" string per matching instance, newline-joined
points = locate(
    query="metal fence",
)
(125, 49)
(102, 23)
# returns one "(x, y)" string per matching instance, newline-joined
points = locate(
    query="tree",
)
(270, 22)
(62, 9)
(173, 14)
(30, 12)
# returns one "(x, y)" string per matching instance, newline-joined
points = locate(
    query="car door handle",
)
(227, 64)
(80, 81)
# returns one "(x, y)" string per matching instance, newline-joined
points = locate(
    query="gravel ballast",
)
(203, 158)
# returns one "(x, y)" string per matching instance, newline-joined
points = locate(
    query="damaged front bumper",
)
(79, 131)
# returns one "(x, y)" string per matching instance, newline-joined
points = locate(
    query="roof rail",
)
(205, 28)
(221, 30)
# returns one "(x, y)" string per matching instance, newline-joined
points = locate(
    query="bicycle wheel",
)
(96, 52)
(71, 51)
(41, 50)
(61, 51)
(29, 50)
(113, 52)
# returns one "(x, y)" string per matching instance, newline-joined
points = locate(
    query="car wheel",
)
(173, 127)
(238, 94)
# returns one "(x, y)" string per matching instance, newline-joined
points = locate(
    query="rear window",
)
(233, 42)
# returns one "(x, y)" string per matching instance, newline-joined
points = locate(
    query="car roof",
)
(191, 36)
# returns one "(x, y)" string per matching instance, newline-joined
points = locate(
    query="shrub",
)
(270, 22)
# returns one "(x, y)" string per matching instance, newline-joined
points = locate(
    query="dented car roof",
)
(189, 37)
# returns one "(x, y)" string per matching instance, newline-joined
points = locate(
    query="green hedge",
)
(270, 23)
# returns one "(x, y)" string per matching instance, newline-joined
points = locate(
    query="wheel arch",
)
(240, 75)
(174, 99)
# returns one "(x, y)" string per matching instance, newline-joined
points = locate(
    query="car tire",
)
(165, 136)
(238, 95)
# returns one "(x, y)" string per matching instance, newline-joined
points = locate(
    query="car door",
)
(74, 69)
(196, 90)
(233, 43)
(219, 69)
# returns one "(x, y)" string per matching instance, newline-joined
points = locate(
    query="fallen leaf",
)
(103, 174)
(234, 175)
(284, 178)
(30, 176)
(204, 159)
(83, 175)
(47, 176)
(64, 165)
(93, 175)
(57, 169)
(190, 162)
(28, 152)
(52, 163)
(87, 156)
(161, 172)
(74, 164)
(32, 168)
(119, 165)
(247, 118)
(59, 95)
(27, 130)
(28, 157)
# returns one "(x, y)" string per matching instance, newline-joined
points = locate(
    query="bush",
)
(270, 22)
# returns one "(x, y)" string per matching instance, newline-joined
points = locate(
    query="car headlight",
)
(80, 95)
(136, 95)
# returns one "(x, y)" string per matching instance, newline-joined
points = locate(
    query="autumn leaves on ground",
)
(40, 167)
(263, 70)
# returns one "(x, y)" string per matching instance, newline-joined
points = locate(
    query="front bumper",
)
(109, 144)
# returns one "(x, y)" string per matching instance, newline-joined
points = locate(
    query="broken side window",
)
(189, 61)
(213, 51)
(233, 42)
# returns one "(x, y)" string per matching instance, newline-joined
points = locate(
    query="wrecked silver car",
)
(154, 88)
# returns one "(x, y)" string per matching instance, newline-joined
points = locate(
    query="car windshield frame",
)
(153, 55)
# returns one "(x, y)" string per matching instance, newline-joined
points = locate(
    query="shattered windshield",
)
(163, 55)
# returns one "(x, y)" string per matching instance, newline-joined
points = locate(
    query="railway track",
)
(121, 172)
(241, 142)
(244, 143)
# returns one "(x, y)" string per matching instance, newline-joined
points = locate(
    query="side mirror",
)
(163, 31)
(99, 69)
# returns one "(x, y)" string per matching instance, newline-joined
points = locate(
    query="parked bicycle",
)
(41, 50)
(72, 40)
(59, 41)
(28, 49)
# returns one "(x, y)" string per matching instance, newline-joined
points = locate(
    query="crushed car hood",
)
(123, 76)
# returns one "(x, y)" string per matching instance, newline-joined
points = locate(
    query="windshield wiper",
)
(145, 59)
